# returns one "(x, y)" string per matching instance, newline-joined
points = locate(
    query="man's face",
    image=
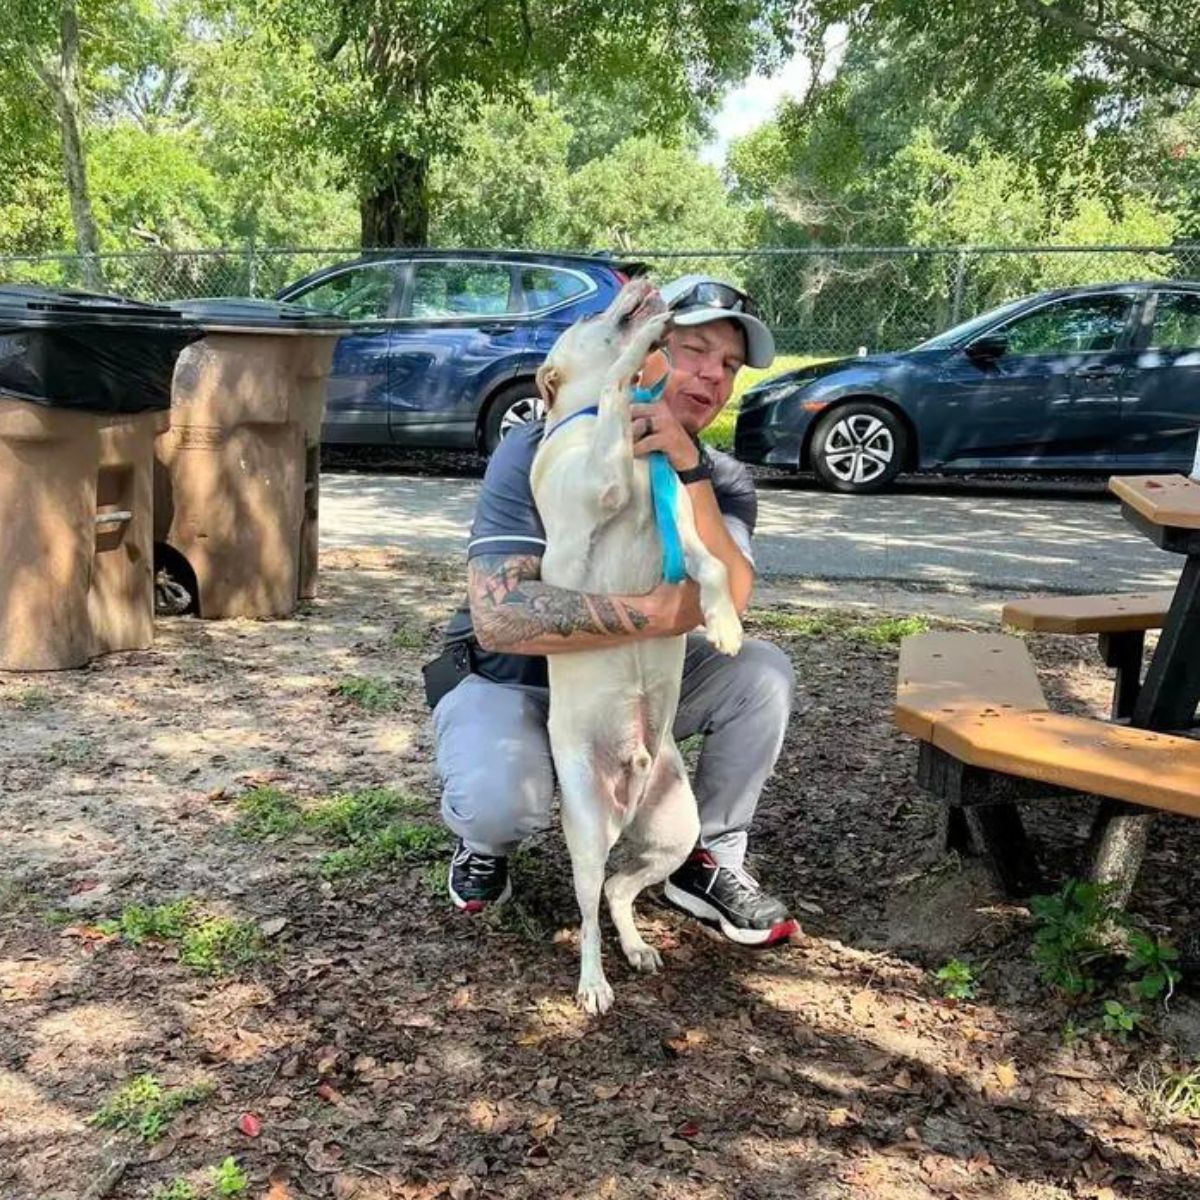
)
(704, 361)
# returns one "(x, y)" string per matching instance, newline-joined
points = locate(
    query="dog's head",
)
(575, 368)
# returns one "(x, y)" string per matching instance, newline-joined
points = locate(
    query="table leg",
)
(1117, 846)
(1171, 691)
(1124, 652)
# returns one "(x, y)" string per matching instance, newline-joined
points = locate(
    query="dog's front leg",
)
(722, 625)
(612, 444)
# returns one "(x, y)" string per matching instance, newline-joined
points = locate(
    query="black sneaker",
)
(730, 899)
(478, 881)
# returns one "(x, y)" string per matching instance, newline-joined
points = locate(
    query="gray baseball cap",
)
(698, 299)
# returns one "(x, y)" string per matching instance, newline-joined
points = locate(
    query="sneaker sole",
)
(711, 915)
(476, 906)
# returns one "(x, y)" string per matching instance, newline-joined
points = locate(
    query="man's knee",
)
(764, 676)
(494, 759)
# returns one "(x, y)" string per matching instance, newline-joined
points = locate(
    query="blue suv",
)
(447, 342)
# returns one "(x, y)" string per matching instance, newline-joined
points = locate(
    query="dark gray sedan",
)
(1103, 378)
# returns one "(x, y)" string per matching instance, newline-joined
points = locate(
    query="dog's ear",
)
(548, 379)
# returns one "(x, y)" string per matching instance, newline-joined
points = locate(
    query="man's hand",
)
(655, 427)
(674, 608)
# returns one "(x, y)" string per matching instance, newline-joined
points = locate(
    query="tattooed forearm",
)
(511, 606)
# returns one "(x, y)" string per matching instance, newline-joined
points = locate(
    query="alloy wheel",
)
(859, 449)
(521, 412)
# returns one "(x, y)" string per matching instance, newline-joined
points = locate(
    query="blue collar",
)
(592, 410)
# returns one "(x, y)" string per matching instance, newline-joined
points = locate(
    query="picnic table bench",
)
(988, 739)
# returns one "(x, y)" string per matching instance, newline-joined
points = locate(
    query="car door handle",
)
(1100, 371)
(497, 327)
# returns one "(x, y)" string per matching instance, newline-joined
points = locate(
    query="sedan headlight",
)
(769, 392)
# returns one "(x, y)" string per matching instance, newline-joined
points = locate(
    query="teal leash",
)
(664, 491)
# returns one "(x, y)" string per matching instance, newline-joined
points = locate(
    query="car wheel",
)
(513, 408)
(859, 447)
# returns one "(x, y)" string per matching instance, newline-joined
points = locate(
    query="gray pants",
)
(493, 751)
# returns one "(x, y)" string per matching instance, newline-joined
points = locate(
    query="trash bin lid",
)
(28, 305)
(94, 353)
(242, 314)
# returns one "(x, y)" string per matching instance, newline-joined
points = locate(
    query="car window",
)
(1176, 322)
(545, 287)
(1070, 326)
(361, 294)
(460, 289)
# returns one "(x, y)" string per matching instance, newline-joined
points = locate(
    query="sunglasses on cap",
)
(708, 293)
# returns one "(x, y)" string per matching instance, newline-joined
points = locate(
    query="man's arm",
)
(514, 612)
(714, 533)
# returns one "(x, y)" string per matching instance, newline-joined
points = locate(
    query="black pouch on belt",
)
(444, 673)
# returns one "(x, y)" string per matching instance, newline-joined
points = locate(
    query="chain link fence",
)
(817, 301)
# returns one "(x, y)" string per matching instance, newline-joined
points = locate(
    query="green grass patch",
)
(209, 944)
(890, 630)
(177, 1189)
(371, 695)
(408, 636)
(1170, 1095)
(885, 631)
(266, 812)
(32, 699)
(229, 1179)
(143, 1106)
(367, 829)
(373, 828)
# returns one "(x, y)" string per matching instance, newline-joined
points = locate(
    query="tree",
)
(1108, 57)
(45, 54)
(385, 86)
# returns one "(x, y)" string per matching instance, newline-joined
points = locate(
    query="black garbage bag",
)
(79, 350)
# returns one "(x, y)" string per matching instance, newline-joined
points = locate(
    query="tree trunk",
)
(396, 213)
(62, 78)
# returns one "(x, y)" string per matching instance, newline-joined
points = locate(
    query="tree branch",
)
(1171, 66)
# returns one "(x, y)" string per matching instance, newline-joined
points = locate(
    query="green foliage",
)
(1081, 936)
(1119, 1020)
(957, 980)
(33, 699)
(265, 812)
(809, 625)
(374, 828)
(144, 1107)
(209, 944)
(1152, 961)
(371, 695)
(408, 636)
(229, 1179)
(1170, 1095)
(177, 1189)
(1073, 933)
(889, 631)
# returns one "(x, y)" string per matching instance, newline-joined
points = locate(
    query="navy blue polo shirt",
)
(507, 523)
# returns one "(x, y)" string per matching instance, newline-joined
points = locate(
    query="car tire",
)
(516, 405)
(859, 447)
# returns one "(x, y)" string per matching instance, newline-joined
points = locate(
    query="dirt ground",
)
(379, 1045)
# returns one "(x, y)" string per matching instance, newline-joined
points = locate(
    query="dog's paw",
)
(723, 629)
(594, 996)
(643, 958)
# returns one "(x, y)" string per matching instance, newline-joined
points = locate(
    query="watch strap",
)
(702, 470)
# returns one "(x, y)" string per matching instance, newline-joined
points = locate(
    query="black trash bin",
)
(238, 480)
(84, 380)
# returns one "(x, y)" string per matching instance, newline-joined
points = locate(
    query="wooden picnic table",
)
(1166, 508)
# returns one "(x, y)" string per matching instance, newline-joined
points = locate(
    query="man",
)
(493, 751)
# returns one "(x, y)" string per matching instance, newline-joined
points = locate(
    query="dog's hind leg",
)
(591, 829)
(665, 829)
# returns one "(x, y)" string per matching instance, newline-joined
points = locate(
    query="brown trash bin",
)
(238, 476)
(81, 376)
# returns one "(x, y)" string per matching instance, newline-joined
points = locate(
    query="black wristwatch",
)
(702, 470)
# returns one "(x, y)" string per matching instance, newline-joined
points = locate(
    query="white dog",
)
(612, 710)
